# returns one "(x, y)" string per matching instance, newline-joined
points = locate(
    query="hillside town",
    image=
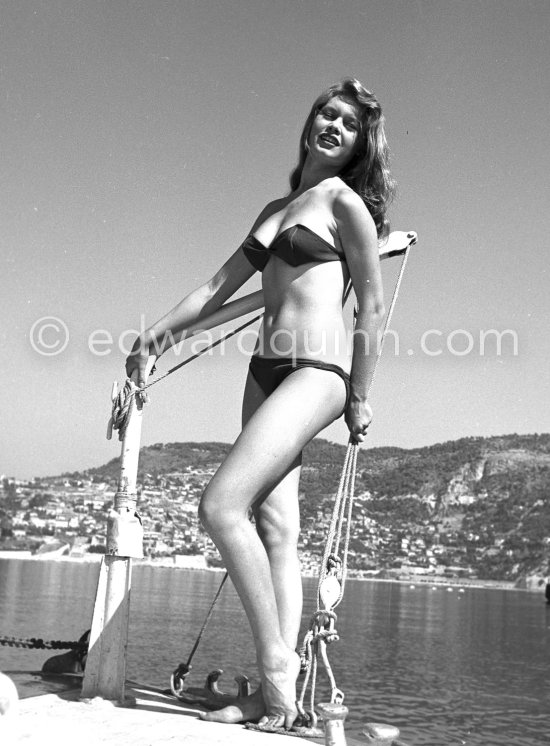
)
(466, 510)
(63, 516)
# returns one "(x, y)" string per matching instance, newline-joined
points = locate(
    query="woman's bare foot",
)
(279, 692)
(243, 710)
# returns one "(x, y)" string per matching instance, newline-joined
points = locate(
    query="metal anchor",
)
(210, 695)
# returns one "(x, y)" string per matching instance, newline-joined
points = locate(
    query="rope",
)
(330, 591)
(389, 315)
(330, 554)
(123, 405)
(177, 680)
(124, 400)
(202, 352)
(322, 628)
(334, 564)
(346, 487)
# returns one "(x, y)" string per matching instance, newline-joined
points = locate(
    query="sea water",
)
(448, 666)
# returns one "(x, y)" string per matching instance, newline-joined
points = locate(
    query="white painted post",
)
(105, 671)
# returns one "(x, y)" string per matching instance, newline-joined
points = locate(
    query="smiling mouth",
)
(331, 139)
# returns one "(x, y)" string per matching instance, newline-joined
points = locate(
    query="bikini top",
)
(296, 245)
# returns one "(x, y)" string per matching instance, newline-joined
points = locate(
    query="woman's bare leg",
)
(266, 451)
(278, 525)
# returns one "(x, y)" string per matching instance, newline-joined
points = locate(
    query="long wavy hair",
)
(368, 171)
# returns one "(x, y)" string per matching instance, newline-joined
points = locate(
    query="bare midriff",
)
(303, 312)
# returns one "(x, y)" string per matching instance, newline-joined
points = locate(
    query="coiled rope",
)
(123, 404)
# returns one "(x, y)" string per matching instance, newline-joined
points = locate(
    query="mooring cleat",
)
(210, 695)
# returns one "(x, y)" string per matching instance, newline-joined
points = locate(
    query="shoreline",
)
(168, 562)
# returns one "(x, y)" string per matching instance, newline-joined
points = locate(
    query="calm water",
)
(445, 667)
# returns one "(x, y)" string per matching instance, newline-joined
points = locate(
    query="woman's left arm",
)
(359, 238)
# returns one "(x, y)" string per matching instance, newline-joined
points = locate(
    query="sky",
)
(141, 139)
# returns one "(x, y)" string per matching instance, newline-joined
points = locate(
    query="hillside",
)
(485, 501)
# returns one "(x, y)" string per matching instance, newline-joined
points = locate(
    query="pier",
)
(153, 718)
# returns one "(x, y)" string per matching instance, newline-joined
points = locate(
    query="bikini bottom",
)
(270, 372)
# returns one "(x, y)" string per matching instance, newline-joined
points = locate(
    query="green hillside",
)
(485, 500)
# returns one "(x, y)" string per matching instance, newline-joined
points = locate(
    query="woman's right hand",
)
(137, 361)
(358, 417)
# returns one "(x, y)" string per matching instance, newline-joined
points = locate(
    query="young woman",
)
(302, 376)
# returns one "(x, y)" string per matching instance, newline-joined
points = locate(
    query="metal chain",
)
(38, 643)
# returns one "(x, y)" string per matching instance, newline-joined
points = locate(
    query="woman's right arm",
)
(200, 303)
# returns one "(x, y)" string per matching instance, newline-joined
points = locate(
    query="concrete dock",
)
(156, 720)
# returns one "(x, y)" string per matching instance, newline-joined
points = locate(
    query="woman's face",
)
(334, 132)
